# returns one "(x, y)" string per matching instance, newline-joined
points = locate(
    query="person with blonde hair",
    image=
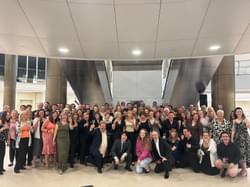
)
(61, 138)
(23, 141)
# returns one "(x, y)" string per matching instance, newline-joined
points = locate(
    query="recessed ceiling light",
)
(63, 50)
(214, 47)
(136, 52)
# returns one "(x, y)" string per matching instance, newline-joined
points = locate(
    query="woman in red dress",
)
(48, 130)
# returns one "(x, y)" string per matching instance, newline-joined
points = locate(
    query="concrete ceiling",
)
(111, 29)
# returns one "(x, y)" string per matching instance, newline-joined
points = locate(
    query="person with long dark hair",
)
(143, 148)
(3, 139)
(195, 126)
(241, 138)
(48, 130)
(73, 134)
(37, 135)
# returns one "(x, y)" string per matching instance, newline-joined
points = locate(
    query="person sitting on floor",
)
(121, 152)
(228, 156)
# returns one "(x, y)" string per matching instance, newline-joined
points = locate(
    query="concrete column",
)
(10, 69)
(223, 86)
(83, 78)
(56, 84)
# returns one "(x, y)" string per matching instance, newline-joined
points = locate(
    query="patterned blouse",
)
(3, 134)
(217, 128)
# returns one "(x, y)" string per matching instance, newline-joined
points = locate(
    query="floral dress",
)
(218, 128)
(242, 140)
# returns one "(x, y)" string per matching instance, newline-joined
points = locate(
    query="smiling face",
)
(155, 135)
(142, 134)
(225, 138)
(220, 114)
(239, 113)
(206, 137)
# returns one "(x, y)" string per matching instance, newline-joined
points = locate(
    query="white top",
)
(37, 134)
(104, 144)
(158, 147)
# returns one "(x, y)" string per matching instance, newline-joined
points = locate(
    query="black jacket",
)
(96, 142)
(165, 150)
(230, 152)
(194, 145)
(116, 148)
(167, 126)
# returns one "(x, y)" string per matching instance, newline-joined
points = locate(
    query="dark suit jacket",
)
(96, 142)
(83, 131)
(165, 150)
(194, 145)
(116, 148)
(167, 126)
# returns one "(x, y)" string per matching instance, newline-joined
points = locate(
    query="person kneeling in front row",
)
(229, 156)
(121, 152)
(162, 154)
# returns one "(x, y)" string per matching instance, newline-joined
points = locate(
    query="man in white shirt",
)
(161, 152)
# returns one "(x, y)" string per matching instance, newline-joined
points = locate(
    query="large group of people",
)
(132, 135)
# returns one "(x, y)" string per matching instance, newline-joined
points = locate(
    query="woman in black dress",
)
(118, 126)
(73, 136)
(208, 155)
(3, 139)
(143, 123)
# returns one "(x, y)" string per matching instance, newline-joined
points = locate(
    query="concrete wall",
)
(137, 85)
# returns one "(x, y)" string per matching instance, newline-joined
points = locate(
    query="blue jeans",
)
(144, 164)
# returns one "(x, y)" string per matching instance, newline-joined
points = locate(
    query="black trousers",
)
(22, 153)
(12, 150)
(163, 166)
(30, 155)
(96, 160)
(190, 159)
(83, 149)
(128, 159)
(132, 138)
(72, 148)
(2, 154)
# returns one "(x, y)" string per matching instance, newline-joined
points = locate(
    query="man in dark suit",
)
(189, 147)
(170, 123)
(99, 145)
(83, 128)
(161, 152)
(121, 151)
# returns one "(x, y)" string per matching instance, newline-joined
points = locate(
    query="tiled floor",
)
(82, 175)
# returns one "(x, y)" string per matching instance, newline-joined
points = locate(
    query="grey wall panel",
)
(137, 85)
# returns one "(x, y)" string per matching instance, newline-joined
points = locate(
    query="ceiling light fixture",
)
(214, 47)
(63, 50)
(136, 52)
